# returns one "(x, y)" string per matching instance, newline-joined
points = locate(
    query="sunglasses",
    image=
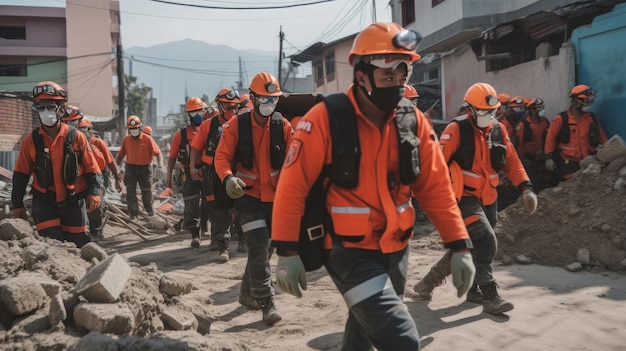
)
(48, 89)
(407, 39)
(230, 95)
(267, 99)
(48, 107)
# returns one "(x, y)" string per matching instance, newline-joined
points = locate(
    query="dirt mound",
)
(586, 212)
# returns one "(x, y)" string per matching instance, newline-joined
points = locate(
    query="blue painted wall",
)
(600, 50)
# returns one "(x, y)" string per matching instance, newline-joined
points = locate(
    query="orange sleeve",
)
(99, 157)
(175, 145)
(199, 140)
(101, 145)
(122, 152)
(26, 157)
(89, 159)
(226, 148)
(450, 140)
(553, 133)
(433, 188)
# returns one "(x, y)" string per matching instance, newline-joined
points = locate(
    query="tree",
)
(136, 96)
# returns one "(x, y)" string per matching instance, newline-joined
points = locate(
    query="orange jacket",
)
(175, 146)
(138, 151)
(200, 140)
(532, 149)
(382, 216)
(578, 146)
(261, 180)
(104, 149)
(510, 129)
(27, 156)
(482, 179)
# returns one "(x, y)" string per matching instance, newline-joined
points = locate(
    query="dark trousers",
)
(371, 284)
(220, 208)
(192, 195)
(63, 223)
(141, 175)
(482, 235)
(256, 222)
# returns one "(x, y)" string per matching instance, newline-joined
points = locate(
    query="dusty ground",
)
(554, 309)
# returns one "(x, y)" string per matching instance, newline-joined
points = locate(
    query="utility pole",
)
(281, 35)
(121, 123)
(240, 82)
(373, 11)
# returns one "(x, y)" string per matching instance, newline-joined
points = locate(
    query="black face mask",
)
(385, 99)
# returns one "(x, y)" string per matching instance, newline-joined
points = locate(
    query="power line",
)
(242, 8)
(185, 60)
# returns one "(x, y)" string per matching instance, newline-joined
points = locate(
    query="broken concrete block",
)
(57, 312)
(174, 287)
(583, 256)
(574, 267)
(22, 295)
(105, 281)
(204, 324)
(612, 149)
(178, 319)
(14, 228)
(104, 318)
(523, 259)
(91, 250)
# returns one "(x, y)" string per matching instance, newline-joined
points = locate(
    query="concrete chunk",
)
(105, 281)
(22, 295)
(583, 256)
(177, 318)
(14, 228)
(57, 313)
(92, 250)
(174, 287)
(104, 318)
(612, 149)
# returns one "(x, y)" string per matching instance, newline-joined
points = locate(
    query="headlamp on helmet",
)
(229, 95)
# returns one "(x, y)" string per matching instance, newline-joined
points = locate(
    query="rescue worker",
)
(139, 150)
(475, 165)
(253, 143)
(503, 110)
(65, 182)
(147, 130)
(567, 146)
(531, 134)
(245, 105)
(180, 151)
(411, 93)
(372, 222)
(95, 141)
(203, 148)
(511, 121)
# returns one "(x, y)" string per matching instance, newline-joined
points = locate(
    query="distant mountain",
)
(200, 67)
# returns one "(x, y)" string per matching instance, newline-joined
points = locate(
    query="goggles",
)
(389, 61)
(517, 101)
(70, 111)
(518, 109)
(48, 107)
(267, 99)
(230, 95)
(587, 92)
(407, 39)
(484, 113)
(491, 100)
(536, 104)
(50, 90)
(587, 101)
(194, 112)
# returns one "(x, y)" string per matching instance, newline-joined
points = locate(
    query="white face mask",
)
(541, 113)
(484, 121)
(48, 118)
(586, 108)
(266, 110)
(134, 132)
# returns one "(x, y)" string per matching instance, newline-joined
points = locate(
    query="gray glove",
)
(463, 272)
(290, 275)
(234, 187)
(530, 200)
(550, 165)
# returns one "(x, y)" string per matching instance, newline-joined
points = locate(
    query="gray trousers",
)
(482, 235)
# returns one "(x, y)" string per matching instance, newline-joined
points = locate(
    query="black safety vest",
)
(594, 130)
(43, 162)
(183, 150)
(245, 152)
(213, 137)
(464, 155)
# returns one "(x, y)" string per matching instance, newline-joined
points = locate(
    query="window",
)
(318, 68)
(14, 70)
(12, 33)
(437, 2)
(329, 64)
(408, 12)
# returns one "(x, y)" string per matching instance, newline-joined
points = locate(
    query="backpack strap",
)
(564, 132)
(183, 152)
(408, 142)
(464, 155)
(528, 132)
(212, 137)
(277, 140)
(244, 144)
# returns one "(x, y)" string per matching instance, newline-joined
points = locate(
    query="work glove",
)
(234, 187)
(93, 202)
(550, 165)
(20, 213)
(463, 272)
(290, 275)
(160, 171)
(530, 200)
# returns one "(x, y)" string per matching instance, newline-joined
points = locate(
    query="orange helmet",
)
(85, 123)
(228, 95)
(70, 113)
(410, 92)
(482, 96)
(582, 91)
(518, 101)
(133, 122)
(265, 84)
(535, 104)
(504, 98)
(211, 112)
(148, 129)
(456, 175)
(385, 39)
(194, 104)
(48, 90)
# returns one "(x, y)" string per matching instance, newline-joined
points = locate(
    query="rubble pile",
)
(54, 296)
(580, 224)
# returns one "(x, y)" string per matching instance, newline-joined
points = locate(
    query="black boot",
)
(270, 314)
(492, 302)
(246, 299)
(195, 237)
(474, 295)
(435, 277)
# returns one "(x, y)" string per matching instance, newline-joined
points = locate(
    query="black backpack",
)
(43, 162)
(245, 152)
(464, 155)
(594, 130)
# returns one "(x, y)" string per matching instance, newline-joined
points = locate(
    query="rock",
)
(583, 256)
(612, 149)
(177, 318)
(91, 250)
(507, 260)
(204, 324)
(22, 295)
(104, 318)
(105, 281)
(14, 228)
(523, 259)
(587, 161)
(574, 267)
(57, 312)
(616, 164)
(605, 228)
(174, 287)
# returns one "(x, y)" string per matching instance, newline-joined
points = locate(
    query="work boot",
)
(474, 295)
(246, 300)
(435, 277)
(195, 243)
(222, 248)
(270, 314)
(195, 237)
(242, 246)
(492, 302)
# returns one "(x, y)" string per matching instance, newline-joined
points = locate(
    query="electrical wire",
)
(242, 8)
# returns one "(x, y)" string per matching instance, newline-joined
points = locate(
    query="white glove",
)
(158, 173)
(463, 272)
(530, 200)
(234, 187)
(290, 275)
(550, 165)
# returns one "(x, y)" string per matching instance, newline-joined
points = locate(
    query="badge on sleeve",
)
(293, 152)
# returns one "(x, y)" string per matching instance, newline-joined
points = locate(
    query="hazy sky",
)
(146, 23)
